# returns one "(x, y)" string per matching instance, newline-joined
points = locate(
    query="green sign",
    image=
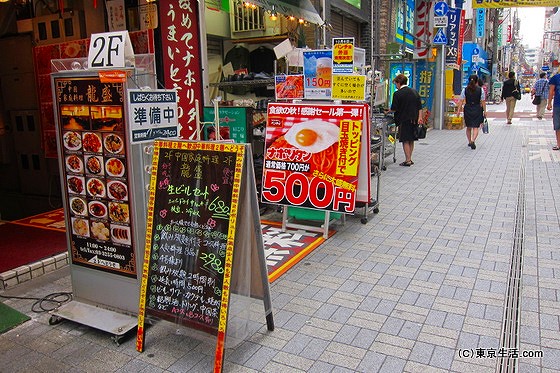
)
(356, 3)
(233, 124)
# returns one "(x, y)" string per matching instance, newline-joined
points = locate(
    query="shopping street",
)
(459, 271)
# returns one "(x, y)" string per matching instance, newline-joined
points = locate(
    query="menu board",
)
(312, 155)
(95, 173)
(192, 217)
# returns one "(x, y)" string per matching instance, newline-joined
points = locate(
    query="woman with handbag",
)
(473, 104)
(539, 94)
(511, 92)
(407, 106)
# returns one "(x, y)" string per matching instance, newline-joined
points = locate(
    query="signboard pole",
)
(440, 103)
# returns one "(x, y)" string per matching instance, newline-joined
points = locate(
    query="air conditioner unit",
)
(58, 28)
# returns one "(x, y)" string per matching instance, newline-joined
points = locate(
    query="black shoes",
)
(472, 145)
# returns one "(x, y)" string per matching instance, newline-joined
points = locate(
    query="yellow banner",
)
(349, 87)
(512, 3)
(348, 153)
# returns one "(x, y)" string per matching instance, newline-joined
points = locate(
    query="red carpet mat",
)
(31, 239)
(284, 249)
(48, 220)
(22, 245)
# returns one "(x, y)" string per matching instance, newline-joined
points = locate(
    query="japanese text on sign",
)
(153, 114)
(182, 59)
(312, 155)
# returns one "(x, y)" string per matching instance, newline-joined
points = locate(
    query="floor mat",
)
(49, 220)
(10, 318)
(40, 236)
(284, 249)
(22, 245)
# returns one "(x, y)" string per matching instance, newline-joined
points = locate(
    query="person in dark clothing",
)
(473, 104)
(509, 86)
(407, 107)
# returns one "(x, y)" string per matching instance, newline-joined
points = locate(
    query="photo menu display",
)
(92, 138)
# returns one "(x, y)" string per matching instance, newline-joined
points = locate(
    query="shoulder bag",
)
(516, 93)
(537, 99)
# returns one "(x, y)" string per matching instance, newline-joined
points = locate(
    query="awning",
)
(298, 8)
(484, 70)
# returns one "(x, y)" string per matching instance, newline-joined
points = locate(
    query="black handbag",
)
(516, 93)
(421, 131)
(537, 100)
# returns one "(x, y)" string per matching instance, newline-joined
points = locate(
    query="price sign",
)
(317, 73)
(312, 155)
(110, 50)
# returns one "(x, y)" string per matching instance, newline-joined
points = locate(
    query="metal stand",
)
(103, 319)
(323, 228)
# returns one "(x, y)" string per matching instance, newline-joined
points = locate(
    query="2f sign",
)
(109, 50)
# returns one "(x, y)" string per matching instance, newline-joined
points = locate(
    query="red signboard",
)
(312, 155)
(179, 23)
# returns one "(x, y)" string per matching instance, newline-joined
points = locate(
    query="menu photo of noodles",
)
(312, 155)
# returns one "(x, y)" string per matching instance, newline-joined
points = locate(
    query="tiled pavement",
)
(417, 289)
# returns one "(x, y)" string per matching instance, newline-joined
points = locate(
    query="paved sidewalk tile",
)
(421, 286)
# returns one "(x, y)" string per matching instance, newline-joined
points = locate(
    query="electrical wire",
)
(47, 303)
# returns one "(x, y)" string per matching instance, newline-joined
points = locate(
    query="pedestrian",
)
(407, 106)
(511, 92)
(554, 94)
(540, 89)
(473, 104)
(482, 84)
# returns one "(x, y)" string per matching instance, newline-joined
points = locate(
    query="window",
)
(247, 17)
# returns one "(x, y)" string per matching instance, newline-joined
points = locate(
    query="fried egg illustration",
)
(313, 136)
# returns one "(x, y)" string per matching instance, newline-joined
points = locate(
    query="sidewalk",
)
(465, 244)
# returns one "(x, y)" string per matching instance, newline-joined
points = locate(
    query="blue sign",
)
(480, 22)
(545, 68)
(440, 37)
(441, 8)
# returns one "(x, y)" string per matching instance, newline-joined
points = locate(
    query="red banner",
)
(312, 155)
(182, 60)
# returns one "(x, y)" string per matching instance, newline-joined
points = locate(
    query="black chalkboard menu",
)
(192, 212)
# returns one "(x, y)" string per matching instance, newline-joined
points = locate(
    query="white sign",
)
(440, 21)
(110, 50)
(116, 15)
(148, 16)
(152, 114)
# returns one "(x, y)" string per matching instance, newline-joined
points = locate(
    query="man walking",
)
(510, 92)
(554, 94)
(540, 89)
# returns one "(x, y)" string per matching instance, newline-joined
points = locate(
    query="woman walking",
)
(473, 105)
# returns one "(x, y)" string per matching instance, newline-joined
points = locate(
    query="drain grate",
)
(507, 362)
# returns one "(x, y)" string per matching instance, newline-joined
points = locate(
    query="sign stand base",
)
(102, 319)
(323, 228)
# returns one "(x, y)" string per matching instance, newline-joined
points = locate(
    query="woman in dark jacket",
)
(509, 86)
(473, 103)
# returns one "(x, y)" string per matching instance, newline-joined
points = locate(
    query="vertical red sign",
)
(182, 59)
(461, 38)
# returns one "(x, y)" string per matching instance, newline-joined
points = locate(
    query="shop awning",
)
(298, 8)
